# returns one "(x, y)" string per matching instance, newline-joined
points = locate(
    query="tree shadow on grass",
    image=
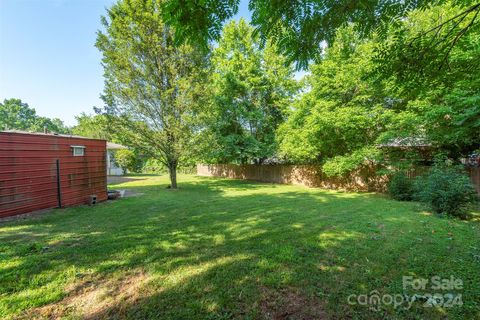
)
(219, 249)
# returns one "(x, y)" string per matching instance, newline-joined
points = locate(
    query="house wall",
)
(28, 172)
(112, 169)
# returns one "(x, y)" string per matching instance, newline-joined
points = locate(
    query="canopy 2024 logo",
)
(433, 292)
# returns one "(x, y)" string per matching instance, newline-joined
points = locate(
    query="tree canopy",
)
(410, 80)
(93, 126)
(18, 115)
(151, 85)
(298, 28)
(357, 100)
(251, 88)
(343, 111)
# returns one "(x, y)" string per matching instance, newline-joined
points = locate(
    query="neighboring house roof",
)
(115, 146)
(406, 142)
(48, 134)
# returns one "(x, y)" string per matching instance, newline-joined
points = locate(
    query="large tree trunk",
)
(172, 171)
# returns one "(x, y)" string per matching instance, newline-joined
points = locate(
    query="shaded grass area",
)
(222, 249)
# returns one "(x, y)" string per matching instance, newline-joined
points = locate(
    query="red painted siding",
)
(28, 171)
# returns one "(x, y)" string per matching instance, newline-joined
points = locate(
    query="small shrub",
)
(401, 187)
(446, 190)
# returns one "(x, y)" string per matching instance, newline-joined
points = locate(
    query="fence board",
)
(312, 176)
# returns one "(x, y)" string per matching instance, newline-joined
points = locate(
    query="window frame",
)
(76, 149)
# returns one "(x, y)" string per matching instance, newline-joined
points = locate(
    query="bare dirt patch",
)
(94, 299)
(291, 304)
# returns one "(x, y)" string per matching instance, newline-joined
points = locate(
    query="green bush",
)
(401, 187)
(447, 190)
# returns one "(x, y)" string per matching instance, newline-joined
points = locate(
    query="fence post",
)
(59, 189)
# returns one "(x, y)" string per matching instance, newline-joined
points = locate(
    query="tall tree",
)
(251, 89)
(151, 86)
(15, 114)
(93, 126)
(299, 27)
(343, 111)
(359, 98)
(442, 102)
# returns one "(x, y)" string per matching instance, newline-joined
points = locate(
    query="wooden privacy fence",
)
(474, 174)
(365, 179)
(307, 175)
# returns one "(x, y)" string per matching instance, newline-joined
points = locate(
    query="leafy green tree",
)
(14, 114)
(251, 89)
(297, 27)
(300, 27)
(441, 104)
(151, 86)
(17, 115)
(343, 112)
(358, 99)
(93, 126)
(126, 159)
(431, 47)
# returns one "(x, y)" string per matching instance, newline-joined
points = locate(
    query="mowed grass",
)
(223, 249)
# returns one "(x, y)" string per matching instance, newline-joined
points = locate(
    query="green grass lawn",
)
(221, 249)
